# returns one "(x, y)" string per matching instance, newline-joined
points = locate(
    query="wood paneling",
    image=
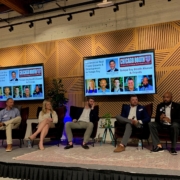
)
(64, 59)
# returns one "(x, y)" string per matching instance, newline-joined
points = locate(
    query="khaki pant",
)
(11, 124)
(79, 125)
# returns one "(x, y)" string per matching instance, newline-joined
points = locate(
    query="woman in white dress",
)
(47, 118)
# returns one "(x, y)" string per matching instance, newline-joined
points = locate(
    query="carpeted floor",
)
(103, 155)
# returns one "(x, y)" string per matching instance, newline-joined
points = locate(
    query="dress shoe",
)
(68, 146)
(85, 146)
(157, 149)
(173, 151)
(119, 148)
(9, 148)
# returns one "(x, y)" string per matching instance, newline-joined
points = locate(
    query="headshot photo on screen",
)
(145, 83)
(130, 83)
(7, 92)
(103, 85)
(91, 86)
(117, 84)
(112, 65)
(37, 90)
(1, 93)
(27, 91)
(17, 92)
(13, 75)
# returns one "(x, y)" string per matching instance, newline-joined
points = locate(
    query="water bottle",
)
(139, 145)
(29, 144)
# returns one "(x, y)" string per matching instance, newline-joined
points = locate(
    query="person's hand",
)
(166, 119)
(74, 120)
(50, 119)
(162, 116)
(92, 107)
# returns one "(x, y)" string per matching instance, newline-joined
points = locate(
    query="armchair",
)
(56, 132)
(79, 133)
(142, 133)
(20, 132)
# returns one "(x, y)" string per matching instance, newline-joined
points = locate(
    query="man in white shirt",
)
(131, 115)
(84, 120)
(167, 115)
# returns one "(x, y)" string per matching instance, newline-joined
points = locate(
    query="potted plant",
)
(107, 118)
(57, 93)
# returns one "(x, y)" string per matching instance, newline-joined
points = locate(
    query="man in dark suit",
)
(132, 115)
(83, 120)
(13, 74)
(167, 115)
(112, 65)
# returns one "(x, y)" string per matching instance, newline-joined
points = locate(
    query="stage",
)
(97, 163)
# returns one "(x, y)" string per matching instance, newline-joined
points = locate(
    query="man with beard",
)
(83, 120)
(145, 85)
(167, 115)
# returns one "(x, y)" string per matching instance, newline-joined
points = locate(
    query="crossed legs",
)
(43, 128)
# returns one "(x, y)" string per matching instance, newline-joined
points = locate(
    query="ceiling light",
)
(92, 13)
(49, 21)
(105, 3)
(116, 8)
(69, 18)
(31, 24)
(142, 3)
(11, 29)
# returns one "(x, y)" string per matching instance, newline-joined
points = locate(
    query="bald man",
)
(167, 115)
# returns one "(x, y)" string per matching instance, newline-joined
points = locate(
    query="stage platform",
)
(97, 163)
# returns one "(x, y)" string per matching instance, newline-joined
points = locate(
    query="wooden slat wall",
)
(64, 59)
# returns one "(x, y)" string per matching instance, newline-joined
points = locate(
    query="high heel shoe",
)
(41, 148)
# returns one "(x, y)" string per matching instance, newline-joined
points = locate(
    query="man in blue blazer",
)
(132, 115)
(167, 115)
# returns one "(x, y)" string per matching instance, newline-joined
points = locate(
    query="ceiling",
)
(25, 7)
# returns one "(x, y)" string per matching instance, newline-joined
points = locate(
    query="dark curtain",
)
(37, 172)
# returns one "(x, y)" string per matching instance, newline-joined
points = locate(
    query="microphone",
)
(51, 115)
(133, 117)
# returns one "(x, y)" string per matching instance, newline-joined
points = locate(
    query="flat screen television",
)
(120, 74)
(24, 82)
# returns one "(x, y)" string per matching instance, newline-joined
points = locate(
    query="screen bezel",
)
(114, 55)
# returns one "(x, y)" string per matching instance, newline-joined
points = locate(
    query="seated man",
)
(84, 119)
(167, 115)
(132, 115)
(9, 119)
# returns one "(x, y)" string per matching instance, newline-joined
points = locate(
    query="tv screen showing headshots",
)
(24, 82)
(120, 74)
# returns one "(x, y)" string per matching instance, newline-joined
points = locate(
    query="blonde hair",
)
(93, 83)
(44, 107)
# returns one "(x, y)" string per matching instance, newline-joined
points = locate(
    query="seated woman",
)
(47, 118)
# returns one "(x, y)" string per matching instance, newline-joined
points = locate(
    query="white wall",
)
(128, 16)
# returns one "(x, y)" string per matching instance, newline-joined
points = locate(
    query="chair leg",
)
(20, 143)
(2, 141)
(147, 141)
(142, 143)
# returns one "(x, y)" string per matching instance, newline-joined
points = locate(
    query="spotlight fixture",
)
(69, 18)
(49, 21)
(11, 29)
(116, 8)
(92, 13)
(31, 24)
(142, 3)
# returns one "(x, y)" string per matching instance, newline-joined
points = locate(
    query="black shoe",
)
(157, 149)
(173, 151)
(68, 146)
(85, 146)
